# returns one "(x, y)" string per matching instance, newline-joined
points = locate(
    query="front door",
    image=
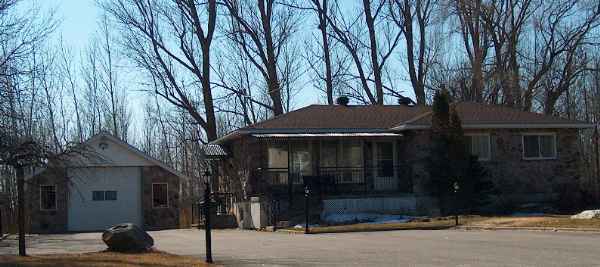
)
(384, 173)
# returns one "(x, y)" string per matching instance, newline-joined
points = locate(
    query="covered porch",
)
(334, 164)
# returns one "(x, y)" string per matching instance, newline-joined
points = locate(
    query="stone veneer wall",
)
(48, 221)
(519, 179)
(160, 218)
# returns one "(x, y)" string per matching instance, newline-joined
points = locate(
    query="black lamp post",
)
(456, 188)
(306, 211)
(207, 206)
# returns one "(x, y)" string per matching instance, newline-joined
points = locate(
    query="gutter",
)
(504, 126)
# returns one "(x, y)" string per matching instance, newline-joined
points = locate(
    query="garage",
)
(100, 197)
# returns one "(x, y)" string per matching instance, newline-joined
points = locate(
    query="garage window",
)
(110, 195)
(104, 195)
(48, 197)
(160, 195)
(98, 195)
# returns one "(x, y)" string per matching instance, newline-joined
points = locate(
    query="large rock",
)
(587, 214)
(127, 237)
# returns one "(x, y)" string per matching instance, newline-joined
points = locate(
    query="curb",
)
(543, 229)
(292, 232)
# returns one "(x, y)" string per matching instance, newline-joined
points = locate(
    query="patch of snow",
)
(362, 217)
(587, 214)
(301, 226)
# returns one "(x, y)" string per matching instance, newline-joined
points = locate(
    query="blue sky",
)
(79, 20)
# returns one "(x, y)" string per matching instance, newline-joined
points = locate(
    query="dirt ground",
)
(101, 259)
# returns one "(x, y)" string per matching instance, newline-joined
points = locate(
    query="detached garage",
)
(110, 182)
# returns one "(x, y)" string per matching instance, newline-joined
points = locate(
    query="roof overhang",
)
(213, 152)
(304, 131)
(504, 126)
(308, 135)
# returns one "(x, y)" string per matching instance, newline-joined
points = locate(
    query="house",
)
(372, 158)
(106, 182)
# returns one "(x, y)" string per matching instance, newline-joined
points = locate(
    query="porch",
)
(334, 166)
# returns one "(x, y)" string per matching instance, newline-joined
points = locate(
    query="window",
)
(301, 158)
(160, 195)
(98, 195)
(328, 154)
(384, 159)
(104, 195)
(539, 146)
(277, 155)
(479, 146)
(350, 154)
(110, 195)
(47, 197)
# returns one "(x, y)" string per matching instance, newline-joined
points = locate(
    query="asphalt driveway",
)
(393, 248)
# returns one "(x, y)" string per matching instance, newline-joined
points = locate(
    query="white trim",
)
(553, 134)
(327, 135)
(55, 198)
(505, 126)
(160, 207)
(489, 141)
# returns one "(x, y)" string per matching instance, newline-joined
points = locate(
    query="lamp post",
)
(207, 206)
(456, 188)
(306, 211)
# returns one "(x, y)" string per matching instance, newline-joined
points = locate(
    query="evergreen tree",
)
(449, 162)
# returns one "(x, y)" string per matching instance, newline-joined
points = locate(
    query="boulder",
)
(127, 237)
(587, 214)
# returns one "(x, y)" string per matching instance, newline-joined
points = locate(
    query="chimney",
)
(342, 101)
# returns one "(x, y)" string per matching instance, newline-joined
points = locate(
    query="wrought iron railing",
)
(343, 179)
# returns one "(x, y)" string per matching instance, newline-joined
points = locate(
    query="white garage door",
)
(102, 197)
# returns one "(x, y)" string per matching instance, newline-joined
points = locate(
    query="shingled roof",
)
(394, 118)
(477, 115)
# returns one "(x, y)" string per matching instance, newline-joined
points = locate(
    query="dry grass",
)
(550, 221)
(433, 224)
(97, 259)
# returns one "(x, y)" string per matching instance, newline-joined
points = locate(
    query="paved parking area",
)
(393, 248)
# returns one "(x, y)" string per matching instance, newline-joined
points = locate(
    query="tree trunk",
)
(21, 209)
(374, 61)
(273, 79)
(211, 126)
(326, 53)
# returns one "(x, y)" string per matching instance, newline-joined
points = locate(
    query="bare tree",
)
(262, 30)
(163, 38)
(475, 41)
(379, 46)
(411, 15)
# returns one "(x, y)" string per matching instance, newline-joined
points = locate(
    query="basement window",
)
(160, 195)
(48, 197)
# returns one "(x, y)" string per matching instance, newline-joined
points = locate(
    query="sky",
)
(78, 20)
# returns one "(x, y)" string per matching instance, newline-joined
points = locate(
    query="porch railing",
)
(342, 179)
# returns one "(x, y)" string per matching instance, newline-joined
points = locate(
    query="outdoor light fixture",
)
(306, 206)
(456, 187)
(103, 145)
(207, 205)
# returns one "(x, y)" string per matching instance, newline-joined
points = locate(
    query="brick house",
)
(107, 183)
(372, 158)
